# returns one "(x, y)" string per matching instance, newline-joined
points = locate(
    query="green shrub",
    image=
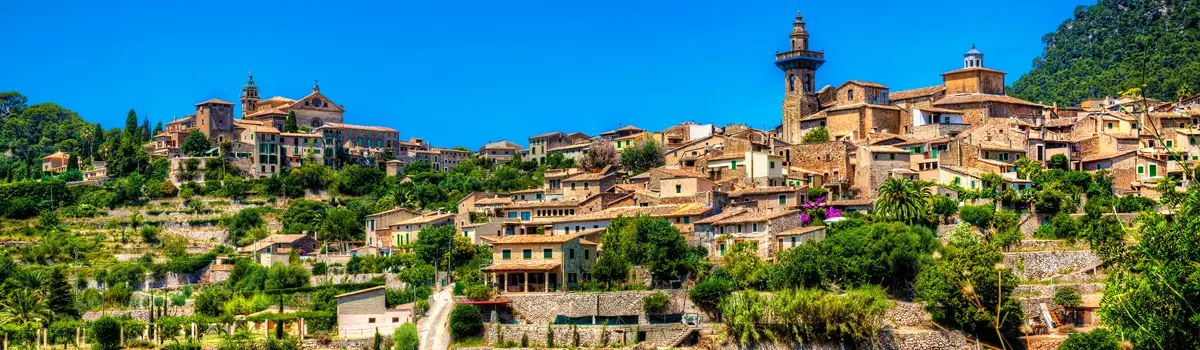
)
(406, 337)
(977, 215)
(1067, 296)
(106, 333)
(465, 321)
(478, 292)
(655, 303)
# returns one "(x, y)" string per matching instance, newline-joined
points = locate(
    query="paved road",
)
(435, 329)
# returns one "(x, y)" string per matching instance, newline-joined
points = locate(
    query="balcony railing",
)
(799, 53)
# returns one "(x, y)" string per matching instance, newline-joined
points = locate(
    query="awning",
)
(514, 266)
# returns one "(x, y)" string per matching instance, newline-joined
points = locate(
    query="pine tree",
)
(62, 301)
(289, 124)
(158, 129)
(131, 124)
(145, 129)
(73, 162)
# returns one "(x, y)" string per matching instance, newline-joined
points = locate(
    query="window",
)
(547, 253)
(395, 320)
(1141, 169)
(850, 94)
(722, 248)
(587, 254)
(1110, 125)
(585, 186)
(772, 164)
(754, 227)
(687, 219)
(507, 254)
(527, 253)
(371, 320)
(1153, 170)
(571, 277)
(783, 199)
(571, 253)
(733, 165)
(678, 189)
(892, 155)
(1169, 143)
(972, 183)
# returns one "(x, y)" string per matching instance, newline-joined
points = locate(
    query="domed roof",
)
(974, 51)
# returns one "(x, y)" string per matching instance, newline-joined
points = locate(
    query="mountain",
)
(1115, 45)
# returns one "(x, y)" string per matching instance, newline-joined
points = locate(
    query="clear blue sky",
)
(467, 72)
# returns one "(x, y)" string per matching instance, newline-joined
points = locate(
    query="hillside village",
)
(297, 225)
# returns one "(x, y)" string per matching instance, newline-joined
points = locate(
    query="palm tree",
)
(903, 200)
(25, 306)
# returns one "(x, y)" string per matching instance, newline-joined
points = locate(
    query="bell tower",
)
(973, 58)
(799, 66)
(249, 96)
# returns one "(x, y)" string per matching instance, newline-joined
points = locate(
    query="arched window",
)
(792, 82)
(808, 82)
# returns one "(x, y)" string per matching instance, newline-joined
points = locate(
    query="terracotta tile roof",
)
(1122, 136)
(587, 242)
(795, 170)
(977, 98)
(360, 291)
(764, 190)
(425, 219)
(629, 187)
(914, 93)
(299, 134)
(860, 105)
(502, 144)
(756, 217)
(885, 149)
(521, 266)
(994, 162)
(800, 230)
(591, 176)
(815, 116)
(633, 136)
(964, 171)
(541, 204)
(970, 69)
(357, 127)
(623, 128)
(679, 173)
(394, 210)
(494, 200)
(533, 239)
(939, 110)
(1061, 122)
(924, 141)
(664, 210)
(1109, 155)
(546, 135)
(529, 190)
(865, 83)
(725, 214)
(57, 155)
(215, 101)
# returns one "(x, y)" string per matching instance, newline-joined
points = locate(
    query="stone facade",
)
(830, 159)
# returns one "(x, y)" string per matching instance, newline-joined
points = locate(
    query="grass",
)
(472, 342)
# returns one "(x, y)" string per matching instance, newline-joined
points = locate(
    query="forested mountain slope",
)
(1115, 45)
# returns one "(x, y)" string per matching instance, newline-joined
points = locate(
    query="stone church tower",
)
(250, 97)
(799, 66)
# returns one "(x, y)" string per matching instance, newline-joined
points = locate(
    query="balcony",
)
(799, 59)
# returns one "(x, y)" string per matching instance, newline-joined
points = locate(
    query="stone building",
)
(540, 263)
(875, 164)
(363, 313)
(378, 226)
(405, 231)
(769, 198)
(539, 144)
(363, 145)
(214, 118)
(55, 162)
(979, 93)
(758, 227)
(799, 66)
(500, 151)
(584, 185)
(681, 216)
(312, 111)
(276, 248)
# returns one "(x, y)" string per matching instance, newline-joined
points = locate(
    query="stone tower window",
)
(792, 82)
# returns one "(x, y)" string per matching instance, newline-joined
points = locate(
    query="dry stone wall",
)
(1041, 265)
(543, 308)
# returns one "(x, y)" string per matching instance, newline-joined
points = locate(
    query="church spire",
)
(316, 87)
(799, 34)
(250, 80)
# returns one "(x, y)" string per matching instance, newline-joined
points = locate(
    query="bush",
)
(708, 293)
(465, 321)
(1099, 339)
(1067, 296)
(150, 233)
(478, 292)
(106, 333)
(978, 215)
(1133, 204)
(406, 337)
(320, 268)
(655, 303)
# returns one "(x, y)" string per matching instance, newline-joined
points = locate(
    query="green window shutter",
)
(783, 199)
(507, 254)
(772, 164)
(572, 186)
(1141, 169)
(892, 156)
(687, 219)
(678, 189)
(1169, 143)
(1153, 170)
(733, 165)
(547, 253)
(972, 183)
(754, 227)
(527, 253)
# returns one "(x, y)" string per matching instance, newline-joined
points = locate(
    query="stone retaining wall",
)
(1030, 223)
(136, 314)
(1040, 265)
(1034, 290)
(392, 281)
(542, 308)
(589, 336)
(196, 235)
(901, 339)
(907, 315)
